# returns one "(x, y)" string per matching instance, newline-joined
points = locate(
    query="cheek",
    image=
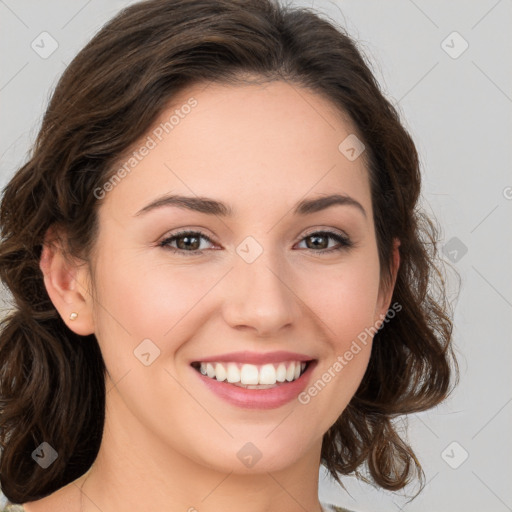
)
(345, 298)
(345, 302)
(148, 299)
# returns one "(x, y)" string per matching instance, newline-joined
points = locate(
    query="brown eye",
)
(186, 242)
(319, 241)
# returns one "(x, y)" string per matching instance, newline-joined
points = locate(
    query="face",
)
(259, 289)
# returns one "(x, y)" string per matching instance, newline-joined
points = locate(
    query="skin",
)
(169, 441)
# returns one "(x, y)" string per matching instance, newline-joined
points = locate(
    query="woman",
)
(220, 274)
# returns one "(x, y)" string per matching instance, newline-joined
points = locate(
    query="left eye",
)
(343, 241)
(189, 242)
(186, 241)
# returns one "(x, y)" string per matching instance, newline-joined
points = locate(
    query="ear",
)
(66, 280)
(386, 292)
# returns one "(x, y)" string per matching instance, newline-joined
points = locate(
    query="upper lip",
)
(255, 357)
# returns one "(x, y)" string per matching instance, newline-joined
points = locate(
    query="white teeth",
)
(267, 374)
(290, 372)
(250, 374)
(210, 370)
(220, 372)
(233, 373)
(281, 373)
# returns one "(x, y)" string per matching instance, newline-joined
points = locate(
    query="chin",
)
(256, 454)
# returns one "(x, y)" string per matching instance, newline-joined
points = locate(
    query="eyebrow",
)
(213, 207)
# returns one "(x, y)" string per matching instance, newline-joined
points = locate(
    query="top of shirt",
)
(327, 507)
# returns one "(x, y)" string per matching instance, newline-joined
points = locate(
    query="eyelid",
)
(181, 231)
(186, 231)
(334, 231)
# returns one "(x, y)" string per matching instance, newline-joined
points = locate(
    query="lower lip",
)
(259, 398)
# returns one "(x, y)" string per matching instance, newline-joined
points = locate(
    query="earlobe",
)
(65, 280)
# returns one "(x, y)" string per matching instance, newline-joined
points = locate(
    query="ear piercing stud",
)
(73, 316)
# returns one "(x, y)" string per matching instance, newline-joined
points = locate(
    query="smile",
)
(255, 386)
(252, 376)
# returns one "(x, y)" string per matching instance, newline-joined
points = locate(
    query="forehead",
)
(274, 142)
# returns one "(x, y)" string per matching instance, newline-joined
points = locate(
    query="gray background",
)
(458, 106)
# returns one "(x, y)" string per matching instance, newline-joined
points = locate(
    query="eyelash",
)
(344, 242)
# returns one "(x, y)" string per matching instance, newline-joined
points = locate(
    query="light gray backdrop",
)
(447, 66)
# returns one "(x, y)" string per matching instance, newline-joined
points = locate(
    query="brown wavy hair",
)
(52, 380)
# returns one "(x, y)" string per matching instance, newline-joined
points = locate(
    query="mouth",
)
(253, 376)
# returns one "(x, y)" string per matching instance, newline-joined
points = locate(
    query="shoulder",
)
(13, 508)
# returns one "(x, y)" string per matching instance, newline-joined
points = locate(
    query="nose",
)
(259, 296)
